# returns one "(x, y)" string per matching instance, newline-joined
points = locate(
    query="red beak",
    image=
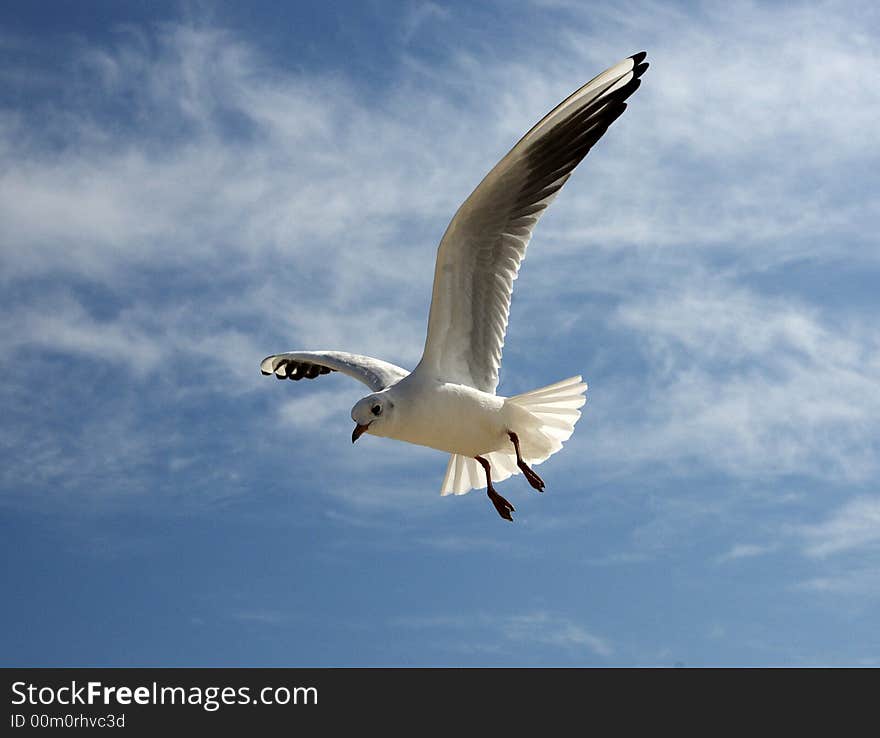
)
(358, 431)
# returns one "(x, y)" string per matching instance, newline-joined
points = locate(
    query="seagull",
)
(448, 402)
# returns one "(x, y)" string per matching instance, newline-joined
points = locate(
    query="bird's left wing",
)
(295, 365)
(481, 251)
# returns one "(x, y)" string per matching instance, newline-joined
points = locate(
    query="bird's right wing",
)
(482, 249)
(295, 365)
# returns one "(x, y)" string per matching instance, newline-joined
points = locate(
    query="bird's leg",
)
(529, 473)
(503, 507)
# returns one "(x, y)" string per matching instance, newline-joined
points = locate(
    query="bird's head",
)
(373, 414)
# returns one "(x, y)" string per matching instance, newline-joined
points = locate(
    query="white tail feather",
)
(549, 420)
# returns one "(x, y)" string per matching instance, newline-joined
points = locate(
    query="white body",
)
(468, 423)
(448, 417)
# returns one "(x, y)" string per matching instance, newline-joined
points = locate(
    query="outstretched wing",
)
(481, 251)
(295, 365)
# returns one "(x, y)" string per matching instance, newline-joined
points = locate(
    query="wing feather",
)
(481, 252)
(296, 365)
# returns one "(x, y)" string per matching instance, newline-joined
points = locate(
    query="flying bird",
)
(448, 402)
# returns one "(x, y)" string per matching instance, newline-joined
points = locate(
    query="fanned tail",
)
(548, 421)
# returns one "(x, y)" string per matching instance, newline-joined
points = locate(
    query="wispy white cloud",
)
(417, 15)
(262, 617)
(140, 338)
(63, 326)
(502, 632)
(746, 551)
(544, 628)
(860, 583)
(467, 544)
(854, 526)
(747, 384)
(313, 409)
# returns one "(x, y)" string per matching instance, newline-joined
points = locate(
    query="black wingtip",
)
(639, 58)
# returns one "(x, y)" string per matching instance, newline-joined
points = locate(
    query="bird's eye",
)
(376, 410)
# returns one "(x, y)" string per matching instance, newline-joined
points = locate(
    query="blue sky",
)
(186, 188)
